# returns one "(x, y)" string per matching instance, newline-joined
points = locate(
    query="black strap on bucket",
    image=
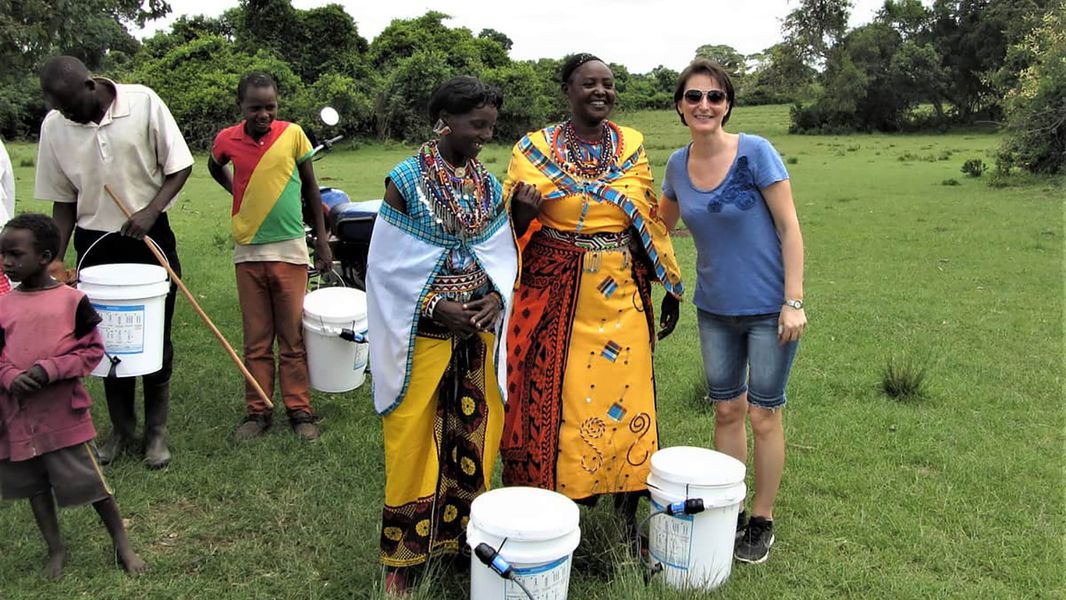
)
(114, 365)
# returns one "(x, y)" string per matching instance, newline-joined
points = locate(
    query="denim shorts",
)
(742, 354)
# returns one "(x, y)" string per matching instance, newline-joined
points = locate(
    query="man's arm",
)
(309, 190)
(141, 221)
(65, 215)
(220, 173)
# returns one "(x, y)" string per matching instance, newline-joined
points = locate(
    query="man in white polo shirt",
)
(101, 132)
(7, 202)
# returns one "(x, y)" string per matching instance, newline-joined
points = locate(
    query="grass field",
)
(957, 494)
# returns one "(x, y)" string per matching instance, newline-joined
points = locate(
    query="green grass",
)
(956, 494)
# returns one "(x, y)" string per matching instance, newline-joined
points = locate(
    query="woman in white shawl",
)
(442, 267)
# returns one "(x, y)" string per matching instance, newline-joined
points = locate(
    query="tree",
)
(402, 103)
(735, 63)
(919, 76)
(860, 90)
(498, 37)
(33, 29)
(972, 37)
(780, 77)
(524, 105)
(909, 17)
(1036, 109)
(814, 27)
(187, 29)
(404, 38)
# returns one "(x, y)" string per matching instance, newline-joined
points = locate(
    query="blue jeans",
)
(742, 354)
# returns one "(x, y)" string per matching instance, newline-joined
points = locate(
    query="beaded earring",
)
(441, 128)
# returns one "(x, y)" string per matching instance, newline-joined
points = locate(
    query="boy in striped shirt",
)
(271, 173)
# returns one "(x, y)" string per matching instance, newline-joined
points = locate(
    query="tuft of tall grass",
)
(904, 379)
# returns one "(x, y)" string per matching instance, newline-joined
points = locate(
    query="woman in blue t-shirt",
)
(733, 193)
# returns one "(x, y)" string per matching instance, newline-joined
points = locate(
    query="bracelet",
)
(430, 304)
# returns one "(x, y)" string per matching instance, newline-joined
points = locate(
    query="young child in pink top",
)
(48, 342)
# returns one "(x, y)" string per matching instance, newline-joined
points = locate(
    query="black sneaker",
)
(754, 546)
(742, 524)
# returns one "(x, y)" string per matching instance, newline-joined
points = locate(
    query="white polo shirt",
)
(7, 186)
(134, 147)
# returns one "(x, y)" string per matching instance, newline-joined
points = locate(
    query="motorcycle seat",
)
(353, 221)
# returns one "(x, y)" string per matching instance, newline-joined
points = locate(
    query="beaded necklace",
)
(450, 187)
(567, 152)
(573, 159)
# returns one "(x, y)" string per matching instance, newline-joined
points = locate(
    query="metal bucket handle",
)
(77, 269)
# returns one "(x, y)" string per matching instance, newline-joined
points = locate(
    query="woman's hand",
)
(525, 206)
(456, 316)
(488, 309)
(791, 324)
(669, 313)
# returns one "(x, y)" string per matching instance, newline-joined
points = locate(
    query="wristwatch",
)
(796, 304)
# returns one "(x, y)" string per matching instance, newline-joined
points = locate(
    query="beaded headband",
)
(575, 63)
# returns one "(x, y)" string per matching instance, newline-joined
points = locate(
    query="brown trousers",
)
(271, 295)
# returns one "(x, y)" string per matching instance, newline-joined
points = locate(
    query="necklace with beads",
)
(458, 197)
(584, 164)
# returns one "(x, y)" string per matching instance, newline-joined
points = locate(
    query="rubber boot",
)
(120, 407)
(156, 408)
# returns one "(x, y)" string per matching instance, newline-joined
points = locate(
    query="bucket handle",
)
(348, 334)
(719, 502)
(318, 279)
(77, 270)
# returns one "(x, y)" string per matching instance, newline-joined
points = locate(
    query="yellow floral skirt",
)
(441, 444)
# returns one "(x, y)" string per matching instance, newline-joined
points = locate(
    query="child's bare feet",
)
(130, 561)
(53, 567)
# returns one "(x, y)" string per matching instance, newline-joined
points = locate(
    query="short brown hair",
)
(705, 66)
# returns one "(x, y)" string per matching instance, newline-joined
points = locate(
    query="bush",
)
(974, 167)
(950, 182)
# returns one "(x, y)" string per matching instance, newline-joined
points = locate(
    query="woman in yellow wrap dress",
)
(581, 415)
(442, 268)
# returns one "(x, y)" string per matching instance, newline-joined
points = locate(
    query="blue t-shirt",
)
(739, 269)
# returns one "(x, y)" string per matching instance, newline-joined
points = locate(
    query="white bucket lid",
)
(123, 274)
(524, 514)
(335, 305)
(697, 466)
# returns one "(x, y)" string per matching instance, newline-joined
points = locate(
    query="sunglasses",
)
(713, 96)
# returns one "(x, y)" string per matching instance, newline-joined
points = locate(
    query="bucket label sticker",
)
(545, 582)
(122, 327)
(671, 539)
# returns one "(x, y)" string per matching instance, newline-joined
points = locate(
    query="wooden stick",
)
(196, 306)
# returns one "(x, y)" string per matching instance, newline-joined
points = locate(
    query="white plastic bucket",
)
(130, 298)
(695, 551)
(535, 530)
(334, 363)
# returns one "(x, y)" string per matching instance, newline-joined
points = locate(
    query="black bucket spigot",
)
(350, 335)
(492, 559)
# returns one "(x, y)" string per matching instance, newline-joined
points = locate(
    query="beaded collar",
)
(459, 198)
(568, 154)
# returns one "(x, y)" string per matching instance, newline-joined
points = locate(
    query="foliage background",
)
(917, 65)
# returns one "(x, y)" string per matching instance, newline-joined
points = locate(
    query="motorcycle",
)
(350, 224)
